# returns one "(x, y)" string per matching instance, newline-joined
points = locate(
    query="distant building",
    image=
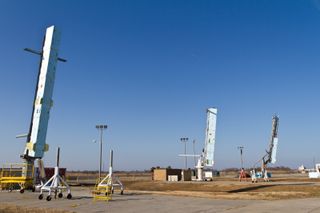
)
(171, 175)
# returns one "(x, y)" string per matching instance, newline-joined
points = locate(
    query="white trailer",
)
(316, 173)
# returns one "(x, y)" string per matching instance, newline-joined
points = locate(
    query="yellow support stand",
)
(18, 176)
(102, 192)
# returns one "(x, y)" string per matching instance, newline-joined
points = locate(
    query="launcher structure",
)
(210, 136)
(271, 154)
(105, 187)
(270, 157)
(55, 185)
(206, 160)
(36, 137)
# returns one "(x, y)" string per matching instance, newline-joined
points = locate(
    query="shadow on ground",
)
(251, 188)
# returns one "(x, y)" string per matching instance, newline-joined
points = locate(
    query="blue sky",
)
(149, 69)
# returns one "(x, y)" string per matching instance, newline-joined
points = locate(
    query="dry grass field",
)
(283, 186)
(230, 190)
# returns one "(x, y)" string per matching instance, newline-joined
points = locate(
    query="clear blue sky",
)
(149, 69)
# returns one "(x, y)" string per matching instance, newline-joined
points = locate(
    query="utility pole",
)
(241, 153)
(101, 128)
(185, 140)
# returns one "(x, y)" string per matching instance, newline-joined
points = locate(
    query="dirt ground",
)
(231, 189)
(281, 186)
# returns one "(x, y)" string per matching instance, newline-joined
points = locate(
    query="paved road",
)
(133, 202)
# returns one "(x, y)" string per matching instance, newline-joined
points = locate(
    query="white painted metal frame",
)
(55, 184)
(210, 137)
(43, 102)
(111, 180)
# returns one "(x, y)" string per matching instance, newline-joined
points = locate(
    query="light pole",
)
(241, 153)
(185, 140)
(101, 128)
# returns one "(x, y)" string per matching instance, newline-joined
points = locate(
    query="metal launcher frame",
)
(36, 138)
(55, 184)
(206, 160)
(17, 175)
(105, 187)
(271, 154)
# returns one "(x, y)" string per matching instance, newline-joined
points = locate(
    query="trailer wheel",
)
(69, 196)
